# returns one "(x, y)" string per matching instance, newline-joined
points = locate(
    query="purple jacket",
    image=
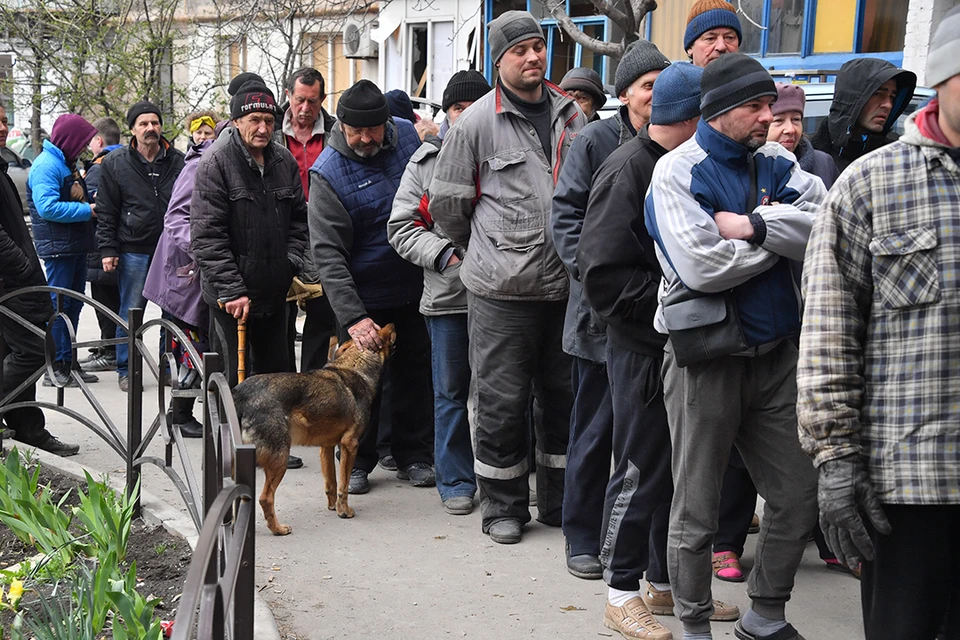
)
(173, 282)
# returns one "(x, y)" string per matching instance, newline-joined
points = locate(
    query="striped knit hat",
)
(710, 14)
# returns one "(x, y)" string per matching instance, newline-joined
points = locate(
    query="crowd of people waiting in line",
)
(630, 288)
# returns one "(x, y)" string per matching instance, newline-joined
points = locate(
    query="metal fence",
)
(220, 580)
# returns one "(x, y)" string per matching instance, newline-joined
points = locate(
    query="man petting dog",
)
(352, 187)
(248, 232)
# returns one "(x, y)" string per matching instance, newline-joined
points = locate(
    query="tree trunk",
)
(36, 102)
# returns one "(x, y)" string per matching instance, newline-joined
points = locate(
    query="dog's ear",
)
(389, 334)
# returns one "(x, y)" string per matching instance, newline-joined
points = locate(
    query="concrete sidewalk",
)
(403, 568)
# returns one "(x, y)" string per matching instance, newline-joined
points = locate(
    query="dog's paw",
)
(283, 530)
(345, 512)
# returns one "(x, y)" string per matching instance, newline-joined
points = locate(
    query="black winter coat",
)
(130, 203)
(95, 272)
(248, 233)
(618, 264)
(19, 264)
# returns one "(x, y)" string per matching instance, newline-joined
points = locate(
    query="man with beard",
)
(248, 233)
(493, 190)
(728, 213)
(352, 187)
(869, 96)
(135, 186)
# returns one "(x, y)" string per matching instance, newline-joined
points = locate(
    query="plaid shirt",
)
(879, 370)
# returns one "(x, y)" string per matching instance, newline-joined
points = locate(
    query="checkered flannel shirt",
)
(879, 370)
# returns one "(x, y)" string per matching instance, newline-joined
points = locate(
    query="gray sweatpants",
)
(750, 402)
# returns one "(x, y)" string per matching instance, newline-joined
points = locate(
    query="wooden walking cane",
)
(241, 346)
(241, 349)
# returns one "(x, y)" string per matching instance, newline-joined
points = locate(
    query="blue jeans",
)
(453, 452)
(131, 276)
(69, 272)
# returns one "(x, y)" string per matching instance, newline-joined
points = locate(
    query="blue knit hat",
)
(710, 14)
(676, 94)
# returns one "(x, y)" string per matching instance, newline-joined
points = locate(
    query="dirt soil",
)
(162, 558)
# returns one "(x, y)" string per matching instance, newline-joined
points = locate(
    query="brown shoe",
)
(726, 567)
(660, 603)
(633, 620)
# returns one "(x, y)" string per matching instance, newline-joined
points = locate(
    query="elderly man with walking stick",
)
(248, 233)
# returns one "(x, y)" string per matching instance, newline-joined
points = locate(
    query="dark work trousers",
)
(515, 351)
(320, 324)
(109, 296)
(266, 342)
(588, 457)
(912, 587)
(738, 503)
(411, 400)
(636, 514)
(23, 355)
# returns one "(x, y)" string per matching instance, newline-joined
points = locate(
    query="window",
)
(563, 53)
(339, 72)
(784, 19)
(237, 56)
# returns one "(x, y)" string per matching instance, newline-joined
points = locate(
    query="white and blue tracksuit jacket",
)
(710, 173)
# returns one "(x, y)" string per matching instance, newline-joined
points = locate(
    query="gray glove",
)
(844, 491)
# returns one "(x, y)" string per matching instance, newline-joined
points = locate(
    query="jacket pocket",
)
(512, 175)
(523, 240)
(905, 268)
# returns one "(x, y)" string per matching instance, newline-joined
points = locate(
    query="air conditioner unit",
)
(357, 42)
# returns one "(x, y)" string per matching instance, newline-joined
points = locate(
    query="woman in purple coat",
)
(173, 283)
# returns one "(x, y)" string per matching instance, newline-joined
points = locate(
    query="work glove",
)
(844, 491)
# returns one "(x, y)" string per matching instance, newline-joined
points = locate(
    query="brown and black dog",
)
(322, 408)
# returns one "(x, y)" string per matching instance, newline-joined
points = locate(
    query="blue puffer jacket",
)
(61, 226)
(365, 188)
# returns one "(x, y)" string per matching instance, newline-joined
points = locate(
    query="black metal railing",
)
(220, 580)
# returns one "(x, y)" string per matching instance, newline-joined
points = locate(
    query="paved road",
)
(404, 569)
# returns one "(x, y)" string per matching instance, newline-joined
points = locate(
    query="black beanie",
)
(733, 80)
(252, 97)
(140, 108)
(363, 105)
(464, 86)
(241, 79)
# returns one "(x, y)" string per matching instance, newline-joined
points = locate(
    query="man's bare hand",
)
(93, 211)
(238, 308)
(110, 264)
(365, 335)
(733, 226)
(454, 259)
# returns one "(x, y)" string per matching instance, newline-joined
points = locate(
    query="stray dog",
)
(328, 407)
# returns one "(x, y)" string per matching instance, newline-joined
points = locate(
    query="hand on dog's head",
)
(388, 335)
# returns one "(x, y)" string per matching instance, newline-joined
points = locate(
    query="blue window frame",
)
(559, 42)
(770, 50)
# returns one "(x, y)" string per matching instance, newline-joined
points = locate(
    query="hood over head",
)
(71, 134)
(856, 82)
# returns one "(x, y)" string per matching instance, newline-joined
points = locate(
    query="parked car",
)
(18, 168)
(819, 98)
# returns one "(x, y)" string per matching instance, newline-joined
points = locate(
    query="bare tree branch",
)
(612, 49)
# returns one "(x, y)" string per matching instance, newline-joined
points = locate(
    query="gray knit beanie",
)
(640, 57)
(943, 59)
(509, 29)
